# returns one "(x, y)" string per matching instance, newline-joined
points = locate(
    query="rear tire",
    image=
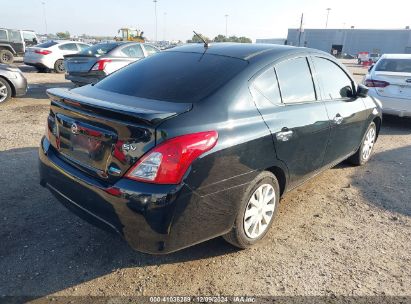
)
(59, 66)
(364, 152)
(263, 188)
(6, 57)
(5, 90)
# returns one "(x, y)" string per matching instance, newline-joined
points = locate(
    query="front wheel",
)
(257, 211)
(59, 66)
(5, 90)
(364, 152)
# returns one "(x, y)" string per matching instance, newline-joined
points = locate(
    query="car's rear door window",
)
(266, 85)
(150, 50)
(335, 84)
(133, 51)
(174, 76)
(68, 47)
(3, 35)
(296, 82)
(82, 46)
(99, 49)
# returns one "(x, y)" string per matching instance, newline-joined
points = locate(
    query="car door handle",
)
(284, 135)
(338, 119)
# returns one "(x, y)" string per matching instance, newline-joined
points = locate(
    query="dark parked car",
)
(93, 64)
(12, 83)
(196, 142)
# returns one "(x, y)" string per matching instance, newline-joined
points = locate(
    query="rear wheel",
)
(5, 90)
(59, 66)
(365, 150)
(6, 57)
(257, 211)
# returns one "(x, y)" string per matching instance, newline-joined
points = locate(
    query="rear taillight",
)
(100, 65)
(42, 52)
(168, 162)
(372, 83)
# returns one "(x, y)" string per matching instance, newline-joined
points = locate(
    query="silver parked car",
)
(93, 64)
(12, 82)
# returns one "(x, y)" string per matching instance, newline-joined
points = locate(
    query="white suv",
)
(49, 55)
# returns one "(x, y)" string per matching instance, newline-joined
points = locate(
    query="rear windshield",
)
(99, 49)
(174, 76)
(46, 44)
(394, 65)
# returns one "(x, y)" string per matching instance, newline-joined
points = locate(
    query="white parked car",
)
(389, 80)
(50, 54)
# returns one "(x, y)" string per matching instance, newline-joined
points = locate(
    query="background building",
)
(353, 41)
(272, 41)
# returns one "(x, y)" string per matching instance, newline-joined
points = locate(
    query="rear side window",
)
(295, 80)
(99, 49)
(68, 47)
(3, 35)
(394, 65)
(46, 44)
(150, 50)
(83, 46)
(133, 51)
(266, 85)
(174, 76)
(14, 36)
(335, 83)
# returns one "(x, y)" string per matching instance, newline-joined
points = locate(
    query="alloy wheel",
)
(368, 143)
(3, 92)
(259, 211)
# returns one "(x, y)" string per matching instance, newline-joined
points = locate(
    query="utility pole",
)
(44, 15)
(226, 25)
(328, 14)
(155, 15)
(301, 29)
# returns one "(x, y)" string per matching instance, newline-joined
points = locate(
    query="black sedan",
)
(199, 142)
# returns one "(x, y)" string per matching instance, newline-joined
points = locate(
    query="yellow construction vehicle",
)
(130, 34)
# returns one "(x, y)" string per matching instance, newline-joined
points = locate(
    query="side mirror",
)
(362, 91)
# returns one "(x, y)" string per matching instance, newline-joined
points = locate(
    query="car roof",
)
(396, 56)
(245, 51)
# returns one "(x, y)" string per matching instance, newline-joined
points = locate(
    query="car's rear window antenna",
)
(206, 44)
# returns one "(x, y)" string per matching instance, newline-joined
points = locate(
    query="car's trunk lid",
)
(399, 84)
(105, 133)
(79, 63)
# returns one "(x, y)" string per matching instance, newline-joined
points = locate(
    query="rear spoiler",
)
(91, 99)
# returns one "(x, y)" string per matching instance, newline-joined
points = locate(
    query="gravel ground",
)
(345, 232)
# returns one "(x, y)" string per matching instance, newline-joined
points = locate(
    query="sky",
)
(176, 19)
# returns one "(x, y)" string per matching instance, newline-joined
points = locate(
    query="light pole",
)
(226, 25)
(44, 14)
(155, 15)
(328, 14)
(164, 29)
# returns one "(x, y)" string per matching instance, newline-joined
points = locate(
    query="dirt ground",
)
(345, 232)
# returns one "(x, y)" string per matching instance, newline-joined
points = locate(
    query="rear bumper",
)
(84, 79)
(38, 65)
(152, 218)
(393, 106)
